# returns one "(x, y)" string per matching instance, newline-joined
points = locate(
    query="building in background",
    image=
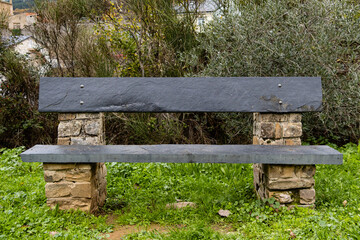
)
(205, 11)
(22, 20)
(6, 6)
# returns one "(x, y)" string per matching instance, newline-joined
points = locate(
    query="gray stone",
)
(93, 127)
(224, 213)
(292, 129)
(294, 155)
(69, 128)
(85, 141)
(237, 94)
(307, 196)
(267, 130)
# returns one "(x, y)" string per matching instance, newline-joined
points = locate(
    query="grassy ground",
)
(138, 194)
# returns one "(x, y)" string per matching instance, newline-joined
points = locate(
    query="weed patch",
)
(138, 194)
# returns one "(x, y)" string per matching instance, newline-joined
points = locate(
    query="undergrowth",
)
(138, 194)
(23, 210)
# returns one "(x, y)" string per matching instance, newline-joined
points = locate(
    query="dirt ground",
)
(123, 230)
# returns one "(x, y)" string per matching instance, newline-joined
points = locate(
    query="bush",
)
(292, 38)
(20, 122)
(65, 31)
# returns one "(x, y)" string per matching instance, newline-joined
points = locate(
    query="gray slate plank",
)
(235, 94)
(297, 155)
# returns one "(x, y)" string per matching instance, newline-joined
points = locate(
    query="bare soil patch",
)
(123, 230)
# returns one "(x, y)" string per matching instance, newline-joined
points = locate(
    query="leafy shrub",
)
(20, 122)
(292, 38)
(146, 35)
(23, 210)
(179, 128)
(64, 30)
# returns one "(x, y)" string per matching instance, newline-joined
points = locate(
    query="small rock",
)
(53, 233)
(344, 203)
(224, 213)
(179, 205)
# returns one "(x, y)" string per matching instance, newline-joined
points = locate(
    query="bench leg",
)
(75, 186)
(288, 184)
(72, 185)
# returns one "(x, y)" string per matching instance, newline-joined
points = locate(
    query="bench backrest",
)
(221, 94)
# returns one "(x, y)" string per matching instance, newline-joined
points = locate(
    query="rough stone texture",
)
(224, 213)
(86, 116)
(83, 204)
(78, 175)
(65, 166)
(77, 185)
(61, 189)
(66, 116)
(92, 128)
(71, 175)
(281, 197)
(288, 184)
(53, 176)
(85, 141)
(81, 190)
(307, 196)
(63, 141)
(69, 128)
(278, 130)
(292, 129)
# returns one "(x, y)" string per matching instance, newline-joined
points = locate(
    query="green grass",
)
(23, 210)
(138, 193)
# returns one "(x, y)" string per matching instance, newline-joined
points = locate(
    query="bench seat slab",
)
(290, 155)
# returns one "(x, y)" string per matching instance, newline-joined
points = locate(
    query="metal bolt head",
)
(81, 86)
(279, 85)
(81, 102)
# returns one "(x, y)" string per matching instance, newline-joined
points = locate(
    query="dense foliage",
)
(20, 122)
(132, 38)
(256, 38)
(22, 4)
(23, 212)
(293, 38)
(138, 193)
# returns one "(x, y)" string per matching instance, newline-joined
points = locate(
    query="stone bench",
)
(74, 169)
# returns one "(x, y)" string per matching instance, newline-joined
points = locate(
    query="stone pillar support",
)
(288, 184)
(74, 185)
